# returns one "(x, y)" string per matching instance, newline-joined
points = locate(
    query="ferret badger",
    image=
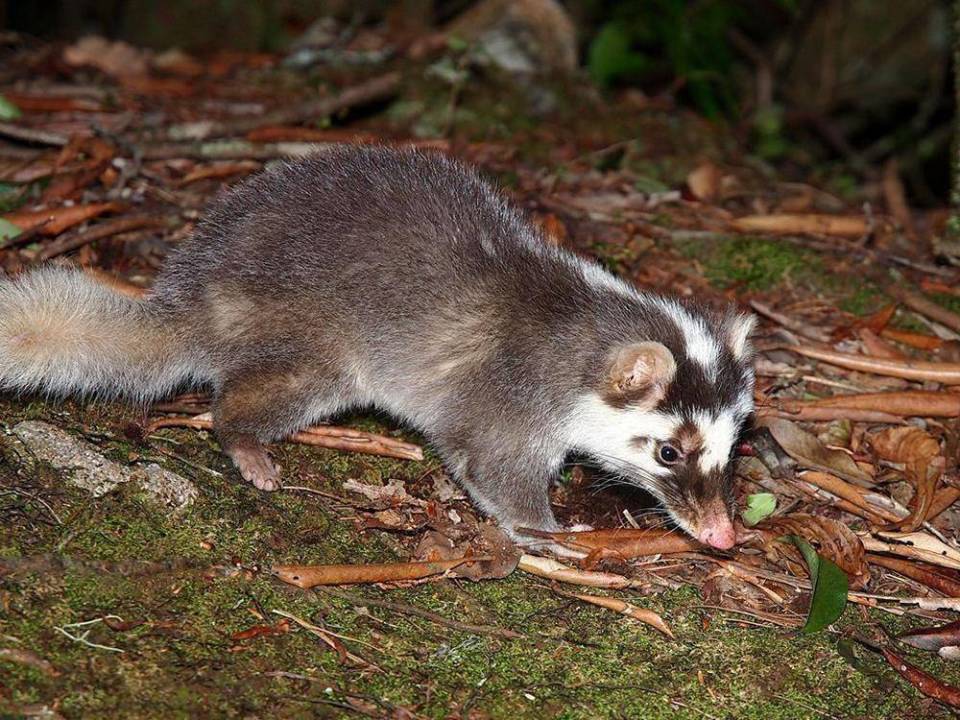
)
(368, 276)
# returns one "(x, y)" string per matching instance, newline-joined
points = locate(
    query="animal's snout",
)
(717, 531)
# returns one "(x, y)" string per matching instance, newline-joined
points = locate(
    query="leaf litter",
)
(875, 506)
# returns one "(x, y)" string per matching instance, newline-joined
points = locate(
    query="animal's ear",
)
(638, 374)
(737, 329)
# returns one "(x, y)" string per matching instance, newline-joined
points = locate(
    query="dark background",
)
(800, 83)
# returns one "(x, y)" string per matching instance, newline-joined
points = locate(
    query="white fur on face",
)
(700, 345)
(719, 433)
(607, 433)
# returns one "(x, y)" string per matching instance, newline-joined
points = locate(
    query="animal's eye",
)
(668, 454)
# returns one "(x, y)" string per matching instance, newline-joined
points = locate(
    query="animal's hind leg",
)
(254, 408)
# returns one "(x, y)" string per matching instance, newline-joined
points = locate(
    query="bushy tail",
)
(61, 332)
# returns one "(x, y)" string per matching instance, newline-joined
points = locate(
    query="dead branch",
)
(627, 543)
(405, 609)
(850, 226)
(68, 243)
(918, 403)
(307, 576)
(378, 88)
(553, 570)
(647, 617)
(927, 308)
(325, 436)
(945, 373)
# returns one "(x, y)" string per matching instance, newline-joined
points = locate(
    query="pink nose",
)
(720, 535)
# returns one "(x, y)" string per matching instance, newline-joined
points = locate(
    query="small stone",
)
(85, 466)
(167, 488)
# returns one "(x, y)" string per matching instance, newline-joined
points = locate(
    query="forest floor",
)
(116, 605)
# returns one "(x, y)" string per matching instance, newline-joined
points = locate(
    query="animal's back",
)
(356, 221)
(400, 270)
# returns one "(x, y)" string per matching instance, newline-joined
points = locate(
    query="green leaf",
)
(829, 584)
(11, 196)
(8, 111)
(8, 231)
(611, 57)
(457, 44)
(759, 506)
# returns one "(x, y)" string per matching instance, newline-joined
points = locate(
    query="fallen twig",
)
(82, 637)
(347, 440)
(851, 226)
(307, 576)
(826, 414)
(553, 570)
(908, 403)
(99, 231)
(945, 373)
(405, 609)
(377, 88)
(800, 328)
(628, 543)
(326, 436)
(32, 135)
(928, 308)
(28, 658)
(647, 617)
(330, 639)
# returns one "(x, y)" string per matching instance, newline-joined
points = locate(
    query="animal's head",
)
(667, 416)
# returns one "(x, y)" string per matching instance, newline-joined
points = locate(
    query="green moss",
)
(751, 263)
(865, 299)
(950, 302)
(180, 658)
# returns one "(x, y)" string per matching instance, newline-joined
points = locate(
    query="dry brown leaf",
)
(55, 220)
(117, 59)
(259, 630)
(383, 497)
(919, 452)
(704, 181)
(912, 339)
(849, 492)
(933, 639)
(831, 538)
(499, 556)
(809, 452)
(921, 572)
(918, 545)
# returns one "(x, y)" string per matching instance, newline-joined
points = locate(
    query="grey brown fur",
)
(369, 277)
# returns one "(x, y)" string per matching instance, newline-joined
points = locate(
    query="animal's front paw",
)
(256, 467)
(580, 527)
